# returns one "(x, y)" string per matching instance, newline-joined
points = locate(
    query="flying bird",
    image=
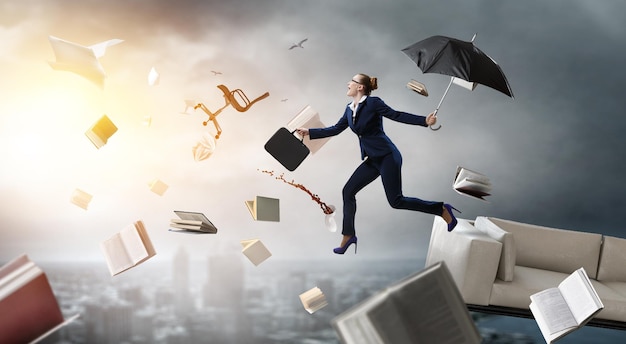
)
(283, 100)
(298, 45)
(215, 73)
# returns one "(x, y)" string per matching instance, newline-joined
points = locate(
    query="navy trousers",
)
(388, 168)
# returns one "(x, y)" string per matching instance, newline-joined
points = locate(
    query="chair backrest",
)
(232, 100)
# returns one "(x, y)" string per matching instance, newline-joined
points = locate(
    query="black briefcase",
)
(287, 148)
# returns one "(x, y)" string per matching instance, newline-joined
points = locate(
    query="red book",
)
(29, 310)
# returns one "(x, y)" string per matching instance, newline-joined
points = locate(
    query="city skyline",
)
(553, 153)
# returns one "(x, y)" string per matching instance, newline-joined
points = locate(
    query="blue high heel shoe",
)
(342, 249)
(454, 221)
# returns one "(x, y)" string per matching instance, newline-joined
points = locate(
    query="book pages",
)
(425, 307)
(581, 296)
(28, 306)
(101, 131)
(127, 248)
(192, 221)
(256, 252)
(158, 187)
(264, 208)
(561, 310)
(313, 300)
(117, 258)
(417, 87)
(471, 183)
(81, 198)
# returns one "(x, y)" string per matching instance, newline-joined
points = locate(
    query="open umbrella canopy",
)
(461, 59)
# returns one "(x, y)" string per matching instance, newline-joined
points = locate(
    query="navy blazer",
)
(369, 126)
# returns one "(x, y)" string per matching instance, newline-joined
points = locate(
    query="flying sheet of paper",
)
(204, 148)
(79, 59)
(153, 77)
(189, 103)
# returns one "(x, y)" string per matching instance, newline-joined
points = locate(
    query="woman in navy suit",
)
(364, 115)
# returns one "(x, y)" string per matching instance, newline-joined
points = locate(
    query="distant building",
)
(183, 302)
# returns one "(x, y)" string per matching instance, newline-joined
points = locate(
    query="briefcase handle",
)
(301, 138)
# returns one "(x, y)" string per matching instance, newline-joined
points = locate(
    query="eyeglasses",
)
(356, 82)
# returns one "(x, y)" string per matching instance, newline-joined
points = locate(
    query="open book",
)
(192, 222)
(127, 248)
(313, 300)
(264, 208)
(471, 183)
(256, 252)
(29, 311)
(100, 132)
(425, 308)
(308, 118)
(566, 308)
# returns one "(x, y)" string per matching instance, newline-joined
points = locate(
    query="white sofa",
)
(499, 263)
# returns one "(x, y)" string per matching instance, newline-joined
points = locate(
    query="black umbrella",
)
(457, 58)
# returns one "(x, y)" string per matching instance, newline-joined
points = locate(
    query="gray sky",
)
(554, 153)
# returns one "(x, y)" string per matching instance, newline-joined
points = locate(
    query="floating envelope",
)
(153, 77)
(204, 148)
(81, 60)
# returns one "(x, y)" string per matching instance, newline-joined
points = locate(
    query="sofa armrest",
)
(471, 256)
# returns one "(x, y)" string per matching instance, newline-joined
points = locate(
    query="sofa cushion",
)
(612, 265)
(553, 249)
(507, 257)
(614, 301)
(526, 281)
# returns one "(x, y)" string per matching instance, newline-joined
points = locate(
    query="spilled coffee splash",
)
(325, 208)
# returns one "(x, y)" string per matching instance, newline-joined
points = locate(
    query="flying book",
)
(101, 131)
(192, 222)
(158, 187)
(313, 300)
(29, 310)
(81, 60)
(256, 252)
(425, 307)
(417, 87)
(567, 307)
(127, 248)
(308, 118)
(471, 183)
(264, 208)
(81, 198)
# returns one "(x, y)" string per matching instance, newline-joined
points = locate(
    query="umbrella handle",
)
(441, 101)
(439, 127)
